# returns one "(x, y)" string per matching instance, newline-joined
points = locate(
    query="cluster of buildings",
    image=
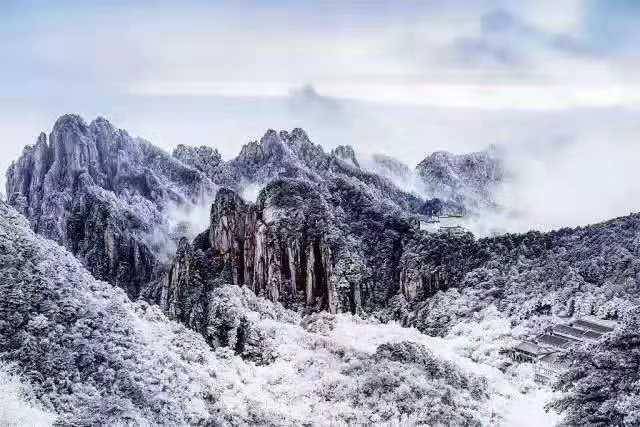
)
(451, 224)
(545, 351)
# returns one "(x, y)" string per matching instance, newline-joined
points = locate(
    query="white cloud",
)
(516, 96)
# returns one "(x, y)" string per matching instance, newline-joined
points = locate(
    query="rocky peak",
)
(25, 179)
(480, 167)
(279, 154)
(270, 148)
(346, 153)
(74, 151)
(204, 158)
(272, 145)
(298, 134)
(101, 125)
(42, 140)
(309, 154)
(296, 139)
(101, 193)
(69, 122)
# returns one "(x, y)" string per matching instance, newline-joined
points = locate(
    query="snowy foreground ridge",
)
(85, 354)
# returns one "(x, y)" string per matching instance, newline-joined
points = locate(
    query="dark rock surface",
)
(346, 153)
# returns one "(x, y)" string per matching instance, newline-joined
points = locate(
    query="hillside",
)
(569, 272)
(104, 196)
(92, 356)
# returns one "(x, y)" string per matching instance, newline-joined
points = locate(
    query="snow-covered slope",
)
(18, 407)
(87, 351)
(92, 356)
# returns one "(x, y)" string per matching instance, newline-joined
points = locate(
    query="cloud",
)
(569, 170)
(491, 54)
(482, 52)
(306, 101)
(505, 39)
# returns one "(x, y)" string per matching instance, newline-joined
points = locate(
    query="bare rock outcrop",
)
(276, 250)
(347, 154)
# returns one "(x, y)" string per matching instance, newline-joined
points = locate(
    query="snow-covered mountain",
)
(88, 355)
(104, 196)
(108, 198)
(467, 179)
(307, 285)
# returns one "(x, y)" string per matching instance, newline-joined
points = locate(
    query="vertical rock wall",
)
(292, 268)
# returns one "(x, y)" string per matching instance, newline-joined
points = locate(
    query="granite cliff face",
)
(279, 252)
(275, 249)
(102, 194)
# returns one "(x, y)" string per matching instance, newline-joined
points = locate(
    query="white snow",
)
(308, 368)
(17, 407)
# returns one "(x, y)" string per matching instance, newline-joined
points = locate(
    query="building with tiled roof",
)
(546, 351)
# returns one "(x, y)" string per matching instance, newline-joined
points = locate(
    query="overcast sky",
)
(556, 81)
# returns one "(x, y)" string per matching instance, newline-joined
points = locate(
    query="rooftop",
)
(555, 341)
(530, 348)
(550, 358)
(576, 333)
(592, 326)
(593, 319)
(553, 359)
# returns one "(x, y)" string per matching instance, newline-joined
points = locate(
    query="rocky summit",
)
(102, 194)
(468, 179)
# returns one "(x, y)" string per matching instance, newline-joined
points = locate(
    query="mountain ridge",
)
(106, 195)
(325, 237)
